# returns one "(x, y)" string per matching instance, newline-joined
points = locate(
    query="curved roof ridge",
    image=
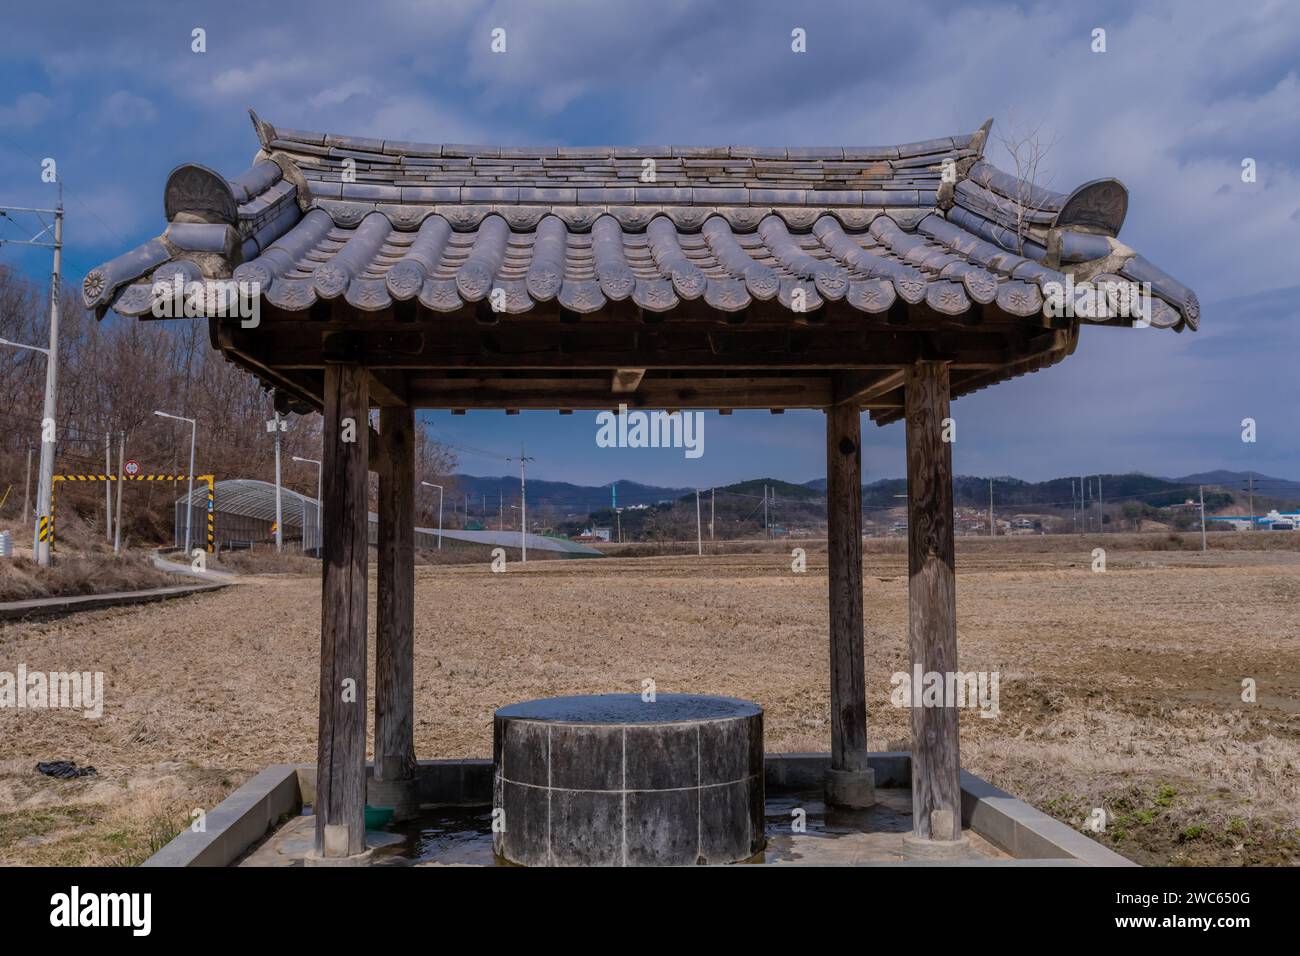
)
(269, 135)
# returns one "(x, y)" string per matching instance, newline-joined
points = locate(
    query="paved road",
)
(176, 567)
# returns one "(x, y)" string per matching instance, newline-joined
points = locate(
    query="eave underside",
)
(700, 359)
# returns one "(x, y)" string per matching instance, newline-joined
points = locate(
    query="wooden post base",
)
(926, 849)
(400, 794)
(852, 789)
(363, 858)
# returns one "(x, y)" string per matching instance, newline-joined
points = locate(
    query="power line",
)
(117, 236)
(471, 450)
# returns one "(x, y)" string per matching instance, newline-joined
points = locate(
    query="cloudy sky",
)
(1184, 92)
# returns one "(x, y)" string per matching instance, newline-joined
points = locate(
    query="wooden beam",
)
(850, 782)
(341, 749)
(859, 388)
(582, 392)
(627, 379)
(395, 614)
(290, 353)
(602, 344)
(931, 604)
(388, 387)
(238, 349)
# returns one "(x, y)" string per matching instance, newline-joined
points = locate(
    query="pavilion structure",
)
(403, 275)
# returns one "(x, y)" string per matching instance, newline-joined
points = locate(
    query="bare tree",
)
(1027, 146)
(112, 376)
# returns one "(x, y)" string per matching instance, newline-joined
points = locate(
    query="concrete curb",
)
(248, 814)
(1024, 832)
(1011, 824)
(58, 606)
(237, 822)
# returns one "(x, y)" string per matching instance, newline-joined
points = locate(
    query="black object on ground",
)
(64, 769)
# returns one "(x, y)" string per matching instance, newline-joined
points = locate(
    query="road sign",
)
(132, 467)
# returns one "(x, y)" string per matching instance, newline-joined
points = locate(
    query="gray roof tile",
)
(721, 225)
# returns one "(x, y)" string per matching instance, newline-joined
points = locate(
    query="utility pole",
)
(1204, 547)
(277, 426)
(992, 528)
(501, 511)
(1101, 511)
(45, 487)
(712, 500)
(1083, 504)
(699, 538)
(523, 506)
(1074, 517)
(121, 480)
(766, 530)
(45, 480)
(108, 488)
(613, 507)
(1250, 481)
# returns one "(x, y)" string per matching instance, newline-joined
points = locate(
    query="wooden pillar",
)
(341, 751)
(394, 780)
(850, 781)
(931, 603)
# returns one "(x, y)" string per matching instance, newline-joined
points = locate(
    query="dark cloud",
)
(1185, 91)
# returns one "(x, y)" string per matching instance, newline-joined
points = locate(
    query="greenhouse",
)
(244, 510)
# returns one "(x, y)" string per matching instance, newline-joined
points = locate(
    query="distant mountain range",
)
(1236, 481)
(486, 493)
(563, 496)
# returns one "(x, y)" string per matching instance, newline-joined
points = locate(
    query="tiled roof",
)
(320, 217)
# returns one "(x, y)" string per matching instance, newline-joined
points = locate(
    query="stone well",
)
(617, 781)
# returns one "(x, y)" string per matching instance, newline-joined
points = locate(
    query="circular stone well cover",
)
(612, 780)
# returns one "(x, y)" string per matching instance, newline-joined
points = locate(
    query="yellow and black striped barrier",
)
(128, 477)
(47, 524)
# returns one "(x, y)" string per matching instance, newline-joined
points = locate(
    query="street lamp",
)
(439, 487)
(189, 495)
(20, 345)
(313, 461)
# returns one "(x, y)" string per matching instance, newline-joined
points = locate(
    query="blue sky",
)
(1184, 92)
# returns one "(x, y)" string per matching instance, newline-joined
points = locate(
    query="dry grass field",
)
(1119, 690)
(21, 578)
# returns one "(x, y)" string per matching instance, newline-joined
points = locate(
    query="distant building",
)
(1275, 521)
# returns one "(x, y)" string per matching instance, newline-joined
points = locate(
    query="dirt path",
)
(1119, 690)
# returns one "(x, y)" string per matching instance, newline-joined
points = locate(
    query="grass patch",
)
(22, 579)
(18, 825)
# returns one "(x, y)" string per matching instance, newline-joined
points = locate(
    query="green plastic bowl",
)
(378, 817)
